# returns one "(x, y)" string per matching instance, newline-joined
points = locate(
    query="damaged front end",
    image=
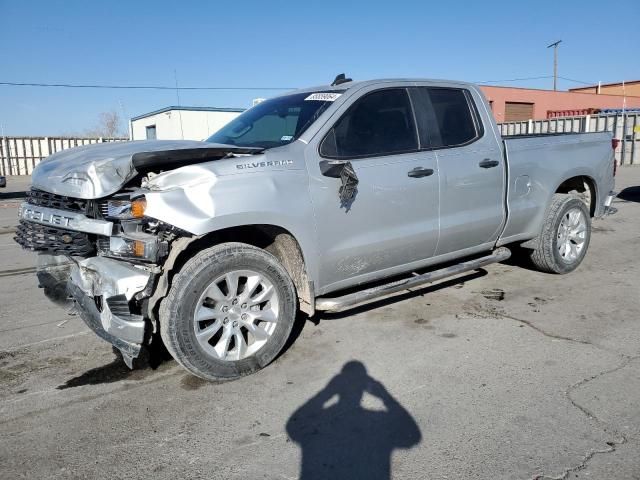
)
(101, 257)
(106, 293)
(99, 250)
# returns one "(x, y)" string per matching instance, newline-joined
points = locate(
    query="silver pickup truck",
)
(319, 199)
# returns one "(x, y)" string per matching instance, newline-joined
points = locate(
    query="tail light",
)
(614, 144)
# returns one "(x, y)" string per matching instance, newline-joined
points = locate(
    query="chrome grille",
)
(57, 241)
(51, 200)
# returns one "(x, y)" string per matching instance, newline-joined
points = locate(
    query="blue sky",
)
(287, 44)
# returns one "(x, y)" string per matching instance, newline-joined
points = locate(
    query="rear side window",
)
(380, 123)
(446, 117)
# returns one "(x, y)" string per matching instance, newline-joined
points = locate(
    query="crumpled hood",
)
(98, 170)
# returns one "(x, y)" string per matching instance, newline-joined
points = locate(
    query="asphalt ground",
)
(502, 374)
(10, 197)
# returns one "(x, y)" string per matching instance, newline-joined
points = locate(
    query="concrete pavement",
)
(10, 198)
(505, 374)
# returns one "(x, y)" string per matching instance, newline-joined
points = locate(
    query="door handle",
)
(419, 172)
(487, 163)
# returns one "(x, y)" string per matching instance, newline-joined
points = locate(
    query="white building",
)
(181, 123)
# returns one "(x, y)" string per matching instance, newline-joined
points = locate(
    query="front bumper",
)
(103, 290)
(93, 318)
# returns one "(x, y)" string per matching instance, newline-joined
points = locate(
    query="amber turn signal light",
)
(138, 207)
(138, 248)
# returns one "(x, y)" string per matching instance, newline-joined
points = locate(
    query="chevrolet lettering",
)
(29, 213)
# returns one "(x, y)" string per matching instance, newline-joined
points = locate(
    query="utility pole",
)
(175, 76)
(555, 63)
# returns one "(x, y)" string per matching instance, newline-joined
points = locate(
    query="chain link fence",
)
(20, 155)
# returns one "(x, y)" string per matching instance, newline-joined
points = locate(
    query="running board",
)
(345, 302)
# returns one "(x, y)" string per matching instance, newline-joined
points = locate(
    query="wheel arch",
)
(579, 182)
(274, 239)
(585, 186)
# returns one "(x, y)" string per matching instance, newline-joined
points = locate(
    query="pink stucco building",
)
(515, 104)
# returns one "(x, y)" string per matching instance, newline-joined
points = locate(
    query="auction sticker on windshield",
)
(323, 96)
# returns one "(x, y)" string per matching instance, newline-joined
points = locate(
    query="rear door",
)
(392, 221)
(470, 164)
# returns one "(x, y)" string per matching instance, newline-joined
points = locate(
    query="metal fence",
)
(625, 128)
(20, 155)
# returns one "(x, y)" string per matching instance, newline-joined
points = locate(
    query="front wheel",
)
(229, 311)
(564, 239)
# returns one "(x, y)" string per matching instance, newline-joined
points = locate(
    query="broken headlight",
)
(123, 247)
(125, 209)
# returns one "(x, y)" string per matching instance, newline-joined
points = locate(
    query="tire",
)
(558, 233)
(204, 287)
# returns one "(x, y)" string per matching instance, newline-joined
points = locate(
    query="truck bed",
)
(538, 164)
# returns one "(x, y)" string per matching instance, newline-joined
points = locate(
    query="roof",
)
(364, 83)
(612, 84)
(343, 87)
(192, 109)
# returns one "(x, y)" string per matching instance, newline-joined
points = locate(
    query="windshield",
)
(275, 122)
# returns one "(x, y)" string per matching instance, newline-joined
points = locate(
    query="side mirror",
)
(343, 170)
(332, 168)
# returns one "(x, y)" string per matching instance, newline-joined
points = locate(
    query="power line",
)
(134, 87)
(577, 81)
(514, 79)
(163, 87)
(536, 78)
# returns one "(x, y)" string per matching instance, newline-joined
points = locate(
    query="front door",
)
(392, 220)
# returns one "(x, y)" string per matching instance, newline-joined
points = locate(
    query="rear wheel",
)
(229, 311)
(565, 236)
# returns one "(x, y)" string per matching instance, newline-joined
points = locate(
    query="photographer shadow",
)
(340, 439)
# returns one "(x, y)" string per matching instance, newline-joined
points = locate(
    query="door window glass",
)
(445, 117)
(380, 123)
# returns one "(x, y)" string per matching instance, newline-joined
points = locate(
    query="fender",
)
(278, 198)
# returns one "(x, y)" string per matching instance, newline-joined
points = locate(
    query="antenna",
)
(555, 63)
(175, 76)
(340, 78)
